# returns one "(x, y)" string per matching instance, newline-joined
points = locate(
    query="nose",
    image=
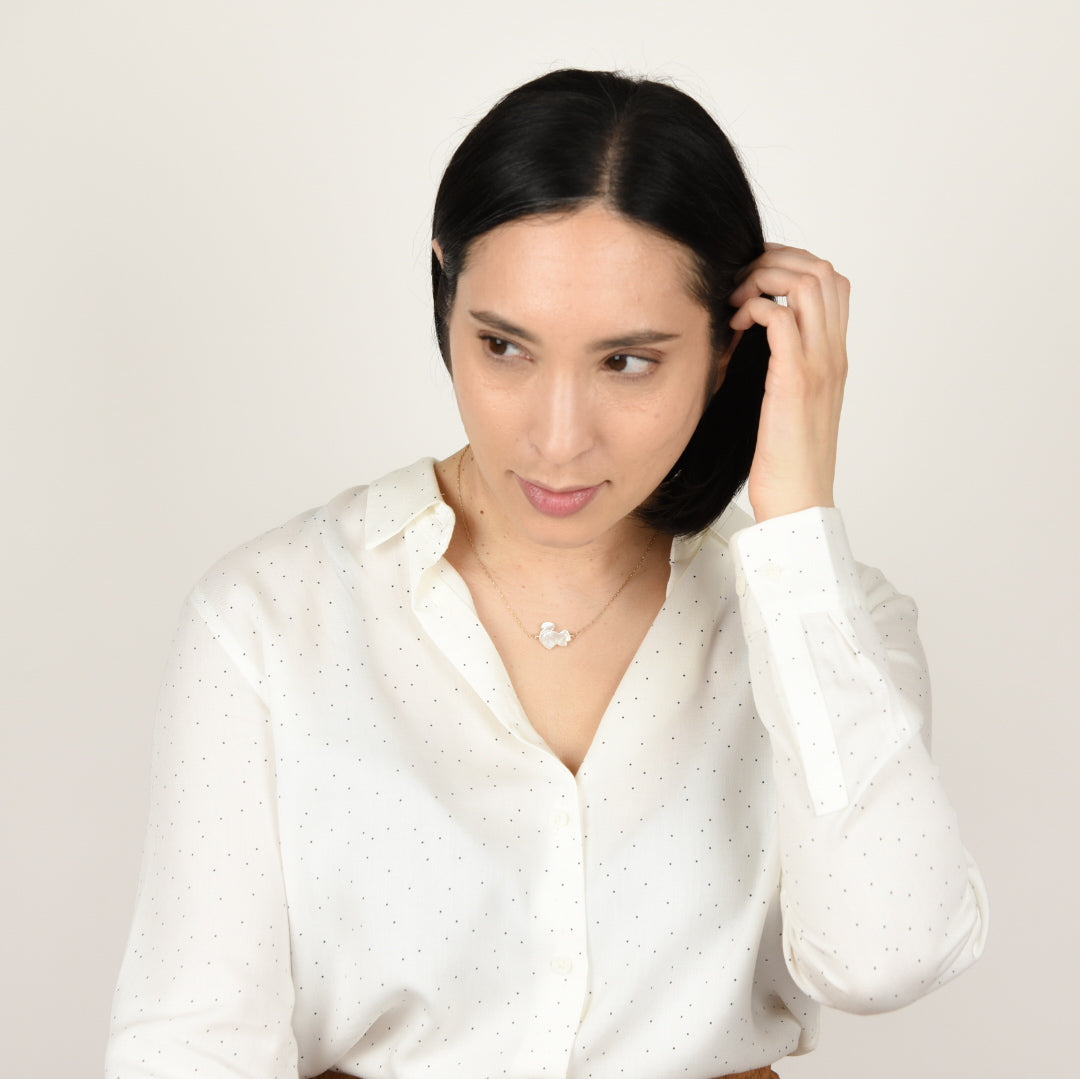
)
(561, 419)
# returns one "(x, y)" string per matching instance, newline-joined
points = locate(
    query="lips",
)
(557, 503)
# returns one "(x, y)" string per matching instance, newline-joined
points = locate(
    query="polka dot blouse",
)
(361, 855)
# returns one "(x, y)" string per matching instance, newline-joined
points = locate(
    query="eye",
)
(625, 364)
(500, 348)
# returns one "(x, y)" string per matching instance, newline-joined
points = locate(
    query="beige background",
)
(214, 314)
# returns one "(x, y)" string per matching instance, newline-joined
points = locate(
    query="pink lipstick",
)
(557, 503)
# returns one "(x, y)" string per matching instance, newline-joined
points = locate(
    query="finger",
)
(787, 363)
(766, 280)
(779, 322)
(781, 249)
(843, 292)
(836, 288)
(792, 259)
(806, 297)
(796, 257)
(771, 252)
(777, 255)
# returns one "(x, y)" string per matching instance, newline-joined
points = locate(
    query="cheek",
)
(487, 413)
(674, 420)
(666, 433)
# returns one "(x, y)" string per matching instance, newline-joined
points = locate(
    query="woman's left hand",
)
(795, 460)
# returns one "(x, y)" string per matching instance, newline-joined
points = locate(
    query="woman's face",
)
(581, 364)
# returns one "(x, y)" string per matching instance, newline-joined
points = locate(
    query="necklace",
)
(549, 636)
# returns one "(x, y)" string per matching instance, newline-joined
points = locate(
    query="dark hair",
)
(654, 155)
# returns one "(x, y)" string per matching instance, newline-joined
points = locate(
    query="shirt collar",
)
(397, 499)
(408, 504)
(408, 494)
(684, 549)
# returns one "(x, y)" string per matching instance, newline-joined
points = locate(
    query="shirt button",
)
(562, 964)
(560, 820)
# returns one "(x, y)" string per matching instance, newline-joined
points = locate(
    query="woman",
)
(544, 759)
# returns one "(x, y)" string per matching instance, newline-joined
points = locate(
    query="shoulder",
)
(717, 537)
(289, 548)
(734, 519)
(315, 549)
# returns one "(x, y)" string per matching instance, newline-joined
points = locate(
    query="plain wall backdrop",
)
(214, 313)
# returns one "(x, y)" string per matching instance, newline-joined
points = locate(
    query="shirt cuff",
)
(799, 587)
(796, 564)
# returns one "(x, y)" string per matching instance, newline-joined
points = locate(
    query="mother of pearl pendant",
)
(549, 636)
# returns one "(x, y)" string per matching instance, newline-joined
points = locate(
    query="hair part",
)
(652, 154)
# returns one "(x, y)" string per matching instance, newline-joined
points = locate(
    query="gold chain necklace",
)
(549, 636)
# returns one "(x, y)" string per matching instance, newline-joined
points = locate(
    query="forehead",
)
(587, 256)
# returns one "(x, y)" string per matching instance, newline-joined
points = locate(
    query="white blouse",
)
(362, 856)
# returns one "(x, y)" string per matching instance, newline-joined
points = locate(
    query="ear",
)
(437, 248)
(722, 361)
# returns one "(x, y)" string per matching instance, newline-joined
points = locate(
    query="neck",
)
(574, 584)
(610, 554)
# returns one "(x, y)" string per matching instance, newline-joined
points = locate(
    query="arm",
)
(880, 901)
(205, 987)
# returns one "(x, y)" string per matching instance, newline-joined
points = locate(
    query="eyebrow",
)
(629, 340)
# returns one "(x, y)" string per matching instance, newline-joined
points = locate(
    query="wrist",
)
(767, 509)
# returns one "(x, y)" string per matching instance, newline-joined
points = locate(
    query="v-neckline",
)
(506, 691)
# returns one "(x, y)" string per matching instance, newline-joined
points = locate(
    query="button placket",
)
(559, 905)
(569, 949)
